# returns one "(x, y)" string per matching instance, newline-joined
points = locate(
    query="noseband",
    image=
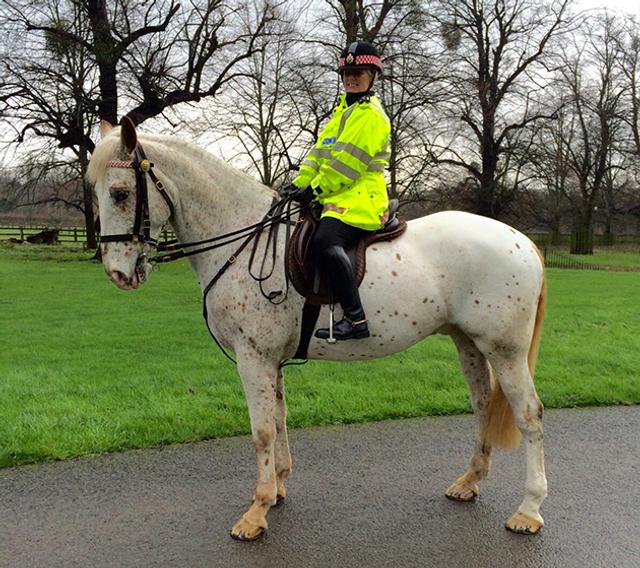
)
(141, 232)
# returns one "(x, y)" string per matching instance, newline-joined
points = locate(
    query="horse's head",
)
(132, 203)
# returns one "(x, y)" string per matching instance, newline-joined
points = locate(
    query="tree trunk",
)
(87, 195)
(350, 19)
(582, 236)
(106, 58)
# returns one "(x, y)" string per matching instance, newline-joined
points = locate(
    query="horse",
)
(472, 278)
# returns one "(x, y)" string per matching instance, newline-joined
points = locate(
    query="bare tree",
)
(547, 203)
(362, 20)
(630, 46)
(594, 89)
(159, 53)
(258, 112)
(46, 91)
(498, 70)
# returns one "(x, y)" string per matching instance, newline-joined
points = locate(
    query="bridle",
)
(141, 232)
(281, 211)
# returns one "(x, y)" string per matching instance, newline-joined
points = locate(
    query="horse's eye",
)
(119, 195)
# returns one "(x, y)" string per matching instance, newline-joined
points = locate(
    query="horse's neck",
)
(211, 204)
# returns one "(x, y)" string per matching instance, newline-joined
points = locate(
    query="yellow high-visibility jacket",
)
(346, 166)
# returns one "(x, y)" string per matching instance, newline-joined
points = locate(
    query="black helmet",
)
(359, 55)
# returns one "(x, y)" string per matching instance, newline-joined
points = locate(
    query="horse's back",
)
(463, 242)
(482, 270)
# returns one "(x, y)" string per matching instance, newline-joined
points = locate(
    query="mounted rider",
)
(344, 172)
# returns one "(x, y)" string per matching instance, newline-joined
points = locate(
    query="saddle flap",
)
(302, 269)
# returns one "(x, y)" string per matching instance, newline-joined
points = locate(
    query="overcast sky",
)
(627, 6)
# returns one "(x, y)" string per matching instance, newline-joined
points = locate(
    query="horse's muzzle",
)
(123, 281)
(139, 274)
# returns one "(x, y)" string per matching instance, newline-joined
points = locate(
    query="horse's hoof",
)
(461, 490)
(523, 524)
(245, 530)
(279, 500)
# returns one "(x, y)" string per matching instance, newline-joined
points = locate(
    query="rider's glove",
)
(303, 195)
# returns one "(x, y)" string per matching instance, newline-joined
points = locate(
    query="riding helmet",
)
(359, 55)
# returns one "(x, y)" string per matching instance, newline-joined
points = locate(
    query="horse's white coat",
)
(473, 278)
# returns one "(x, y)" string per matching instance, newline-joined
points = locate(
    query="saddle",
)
(304, 272)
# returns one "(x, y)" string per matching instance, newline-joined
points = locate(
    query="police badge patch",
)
(350, 58)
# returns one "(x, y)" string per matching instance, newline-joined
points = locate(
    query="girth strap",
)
(310, 314)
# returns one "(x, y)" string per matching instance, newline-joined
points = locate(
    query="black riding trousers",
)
(330, 242)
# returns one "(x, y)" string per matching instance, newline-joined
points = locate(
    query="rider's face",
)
(356, 80)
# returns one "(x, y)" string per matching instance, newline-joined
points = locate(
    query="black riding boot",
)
(343, 281)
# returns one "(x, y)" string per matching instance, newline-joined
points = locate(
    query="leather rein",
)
(281, 211)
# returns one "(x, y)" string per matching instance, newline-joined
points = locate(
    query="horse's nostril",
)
(118, 278)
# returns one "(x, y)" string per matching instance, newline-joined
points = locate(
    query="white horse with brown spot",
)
(472, 278)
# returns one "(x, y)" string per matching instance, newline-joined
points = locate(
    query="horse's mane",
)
(110, 148)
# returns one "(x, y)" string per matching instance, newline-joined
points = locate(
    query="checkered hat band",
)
(362, 60)
(119, 164)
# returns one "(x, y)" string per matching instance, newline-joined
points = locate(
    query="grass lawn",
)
(86, 368)
(612, 258)
(609, 258)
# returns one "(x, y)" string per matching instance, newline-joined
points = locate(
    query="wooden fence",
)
(553, 257)
(65, 234)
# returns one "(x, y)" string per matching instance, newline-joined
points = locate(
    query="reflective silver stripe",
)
(353, 150)
(346, 115)
(345, 170)
(379, 107)
(321, 153)
(311, 164)
(375, 168)
(382, 156)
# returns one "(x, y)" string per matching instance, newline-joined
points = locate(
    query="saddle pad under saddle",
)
(301, 266)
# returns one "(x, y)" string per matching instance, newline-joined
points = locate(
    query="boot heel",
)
(362, 334)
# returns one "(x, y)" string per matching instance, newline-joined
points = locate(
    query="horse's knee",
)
(529, 419)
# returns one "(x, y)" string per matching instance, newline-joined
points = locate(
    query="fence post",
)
(21, 233)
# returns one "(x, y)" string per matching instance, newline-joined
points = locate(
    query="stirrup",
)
(354, 330)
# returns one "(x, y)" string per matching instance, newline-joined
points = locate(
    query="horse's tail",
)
(502, 430)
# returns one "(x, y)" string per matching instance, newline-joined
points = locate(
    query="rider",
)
(344, 172)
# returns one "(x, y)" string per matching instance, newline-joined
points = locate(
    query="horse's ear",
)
(105, 128)
(128, 135)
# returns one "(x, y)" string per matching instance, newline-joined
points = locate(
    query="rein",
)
(280, 212)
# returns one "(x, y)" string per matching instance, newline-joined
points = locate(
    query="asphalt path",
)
(360, 496)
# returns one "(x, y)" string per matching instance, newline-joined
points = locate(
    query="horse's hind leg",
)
(477, 373)
(282, 454)
(515, 379)
(259, 378)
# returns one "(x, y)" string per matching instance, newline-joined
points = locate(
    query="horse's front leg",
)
(259, 378)
(283, 456)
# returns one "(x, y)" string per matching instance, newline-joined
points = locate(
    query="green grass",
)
(86, 368)
(60, 252)
(608, 258)
(611, 258)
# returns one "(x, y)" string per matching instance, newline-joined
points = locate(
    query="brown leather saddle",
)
(302, 268)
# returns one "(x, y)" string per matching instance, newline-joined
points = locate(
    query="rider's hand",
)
(303, 195)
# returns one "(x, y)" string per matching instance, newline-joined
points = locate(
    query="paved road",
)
(361, 496)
